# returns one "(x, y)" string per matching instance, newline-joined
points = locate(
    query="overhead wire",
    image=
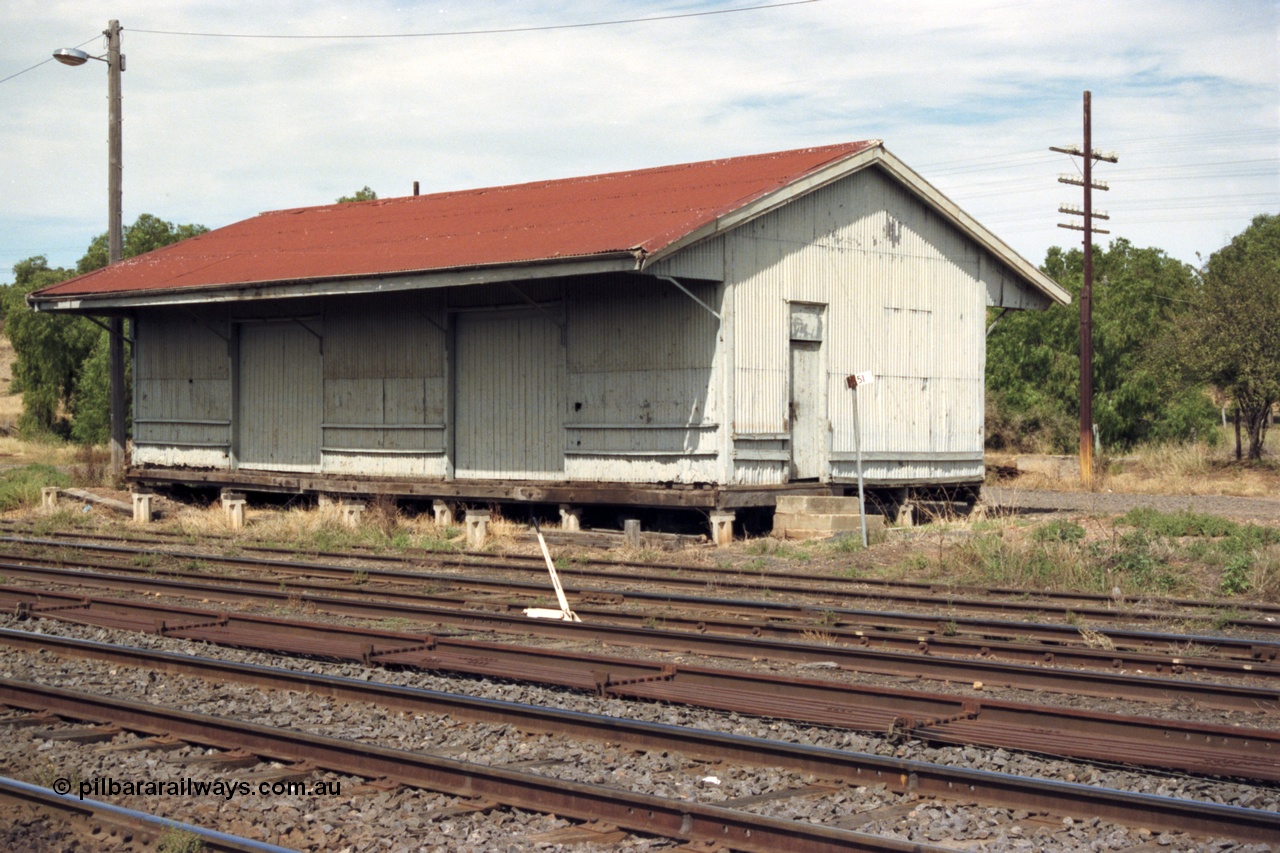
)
(44, 62)
(485, 32)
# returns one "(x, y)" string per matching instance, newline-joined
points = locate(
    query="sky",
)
(470, 94)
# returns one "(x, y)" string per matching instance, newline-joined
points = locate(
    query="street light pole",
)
(115, 223)
(115, 239)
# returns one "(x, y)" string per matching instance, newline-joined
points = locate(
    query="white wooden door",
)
(509, 399)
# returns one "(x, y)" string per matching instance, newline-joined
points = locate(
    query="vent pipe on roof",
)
(415, 187)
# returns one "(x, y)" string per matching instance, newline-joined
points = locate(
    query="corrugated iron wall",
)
(182, 397)
(509, 402)
(906, 295)
(384, 385)
(278, 417)
(643, 402)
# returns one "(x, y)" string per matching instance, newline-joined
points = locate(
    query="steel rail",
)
(1164, 689)
(635, 812)
(712, 575)
(853, 768)
(1141, 741)
(1099, 615)
(935, 641)
(129, 819)
(1250, 651)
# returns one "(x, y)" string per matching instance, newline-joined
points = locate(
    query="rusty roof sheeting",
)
(638, 211)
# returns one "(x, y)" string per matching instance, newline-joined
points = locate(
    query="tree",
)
(144, 235)
(1033, 358)
(61, 360)
(49, 349)
(1231, 335)
(362, 194)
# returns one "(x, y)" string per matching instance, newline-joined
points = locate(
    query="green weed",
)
(20, 487)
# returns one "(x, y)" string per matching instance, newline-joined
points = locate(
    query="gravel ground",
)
(362, 822)
(1110, 503)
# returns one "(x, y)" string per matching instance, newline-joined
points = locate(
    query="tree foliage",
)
(49, 349)
(362, 194)
(1033, 357)
(61, 360)
(1231, 334)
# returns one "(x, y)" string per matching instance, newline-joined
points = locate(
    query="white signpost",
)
(863, 378)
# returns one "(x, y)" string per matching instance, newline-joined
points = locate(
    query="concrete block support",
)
(233, 504)
(143, 513)
(722, 528)
(810, 517)
(49, 498)
(631, 533)
(444, 513)
(351, 513)
(570, 518)
(477, 527)
(324, 499)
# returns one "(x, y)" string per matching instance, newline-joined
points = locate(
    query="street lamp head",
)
(71, 56)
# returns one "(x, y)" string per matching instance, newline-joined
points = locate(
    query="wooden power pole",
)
(1086, 291)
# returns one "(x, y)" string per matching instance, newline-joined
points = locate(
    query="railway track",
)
(1115, 676)
(106, 826)
(938, 718)
(1096, 609)
(636, 812)
(1030, 642)
(951, 787)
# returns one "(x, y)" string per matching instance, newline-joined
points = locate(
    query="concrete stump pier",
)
(816, 516)
(477, 527)
(233, 504)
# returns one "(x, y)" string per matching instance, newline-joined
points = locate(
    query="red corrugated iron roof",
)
(640, 211)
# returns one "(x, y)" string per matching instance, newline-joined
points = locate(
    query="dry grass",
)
(15, 451)
(10, 403)
(1193, 468)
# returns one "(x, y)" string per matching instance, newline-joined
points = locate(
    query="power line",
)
(38, 64)
(488, 32)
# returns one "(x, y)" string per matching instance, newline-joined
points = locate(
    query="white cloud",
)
(971, 94)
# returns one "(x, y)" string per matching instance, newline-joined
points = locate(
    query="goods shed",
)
(665, 337)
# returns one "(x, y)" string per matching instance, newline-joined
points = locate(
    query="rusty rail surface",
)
(853, 656)
(853, 768)
(1249, 652)
(642, 813)
(946, 599)
(1141, 741)
(690, 574)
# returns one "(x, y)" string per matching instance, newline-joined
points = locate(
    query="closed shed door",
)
(280, 401)
(509, 403)
(807, 418)
(806, 408)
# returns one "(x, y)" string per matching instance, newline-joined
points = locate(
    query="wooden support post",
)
(477, 527)
(631, 533)
(444, 513)
(722, 528)
(142, 509)
(570, 518)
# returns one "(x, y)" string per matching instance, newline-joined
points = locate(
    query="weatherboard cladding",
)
(638, 211)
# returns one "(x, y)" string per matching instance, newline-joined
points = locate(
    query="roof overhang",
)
(337, 286)
(881, 157)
